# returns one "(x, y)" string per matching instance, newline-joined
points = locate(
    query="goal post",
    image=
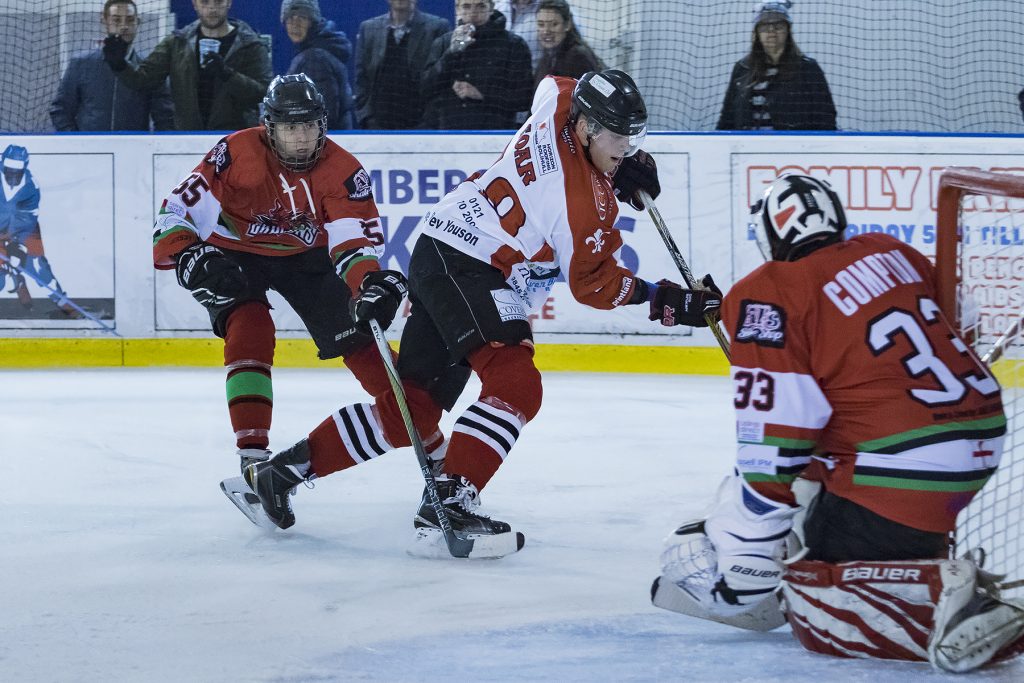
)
(979, 258)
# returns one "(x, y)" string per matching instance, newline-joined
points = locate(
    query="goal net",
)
(980, 262)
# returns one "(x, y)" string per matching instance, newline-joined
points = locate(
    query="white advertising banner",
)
(99, 196)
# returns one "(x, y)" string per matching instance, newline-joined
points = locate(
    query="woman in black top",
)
(776, 87)
(565, 53)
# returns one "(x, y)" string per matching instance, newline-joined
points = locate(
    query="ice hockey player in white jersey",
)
(844, 365)
(487, 253)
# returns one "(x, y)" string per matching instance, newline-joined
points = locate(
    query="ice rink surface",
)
(120, 559)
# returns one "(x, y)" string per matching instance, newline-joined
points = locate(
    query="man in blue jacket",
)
(321, 52)
(90, 96)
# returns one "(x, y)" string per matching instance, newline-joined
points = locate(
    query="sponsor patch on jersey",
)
(547, 160)
(761, 323)
(510, 307)
(219, 157)
(359, 186)
(602, 195)
(748, 431)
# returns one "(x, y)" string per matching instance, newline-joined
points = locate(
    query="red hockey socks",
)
(249, 357)
(510, 397)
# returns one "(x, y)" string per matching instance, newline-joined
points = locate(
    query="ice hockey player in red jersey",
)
(281, 207)
(841, 358)
(486, 254)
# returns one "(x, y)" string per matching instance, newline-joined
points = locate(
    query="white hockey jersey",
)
(541, 206)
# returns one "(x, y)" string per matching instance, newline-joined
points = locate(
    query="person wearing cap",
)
(321, 52)
(776, 86)
(391, 53)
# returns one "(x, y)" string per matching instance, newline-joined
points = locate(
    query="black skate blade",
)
(429, 543)
(248, 503)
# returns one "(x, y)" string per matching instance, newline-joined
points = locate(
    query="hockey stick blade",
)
(458, 547)
(688, 279)
(247, 502)
(764, 616)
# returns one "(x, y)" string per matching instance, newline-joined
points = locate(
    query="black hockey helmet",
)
(797, 215)
(610, 98)
(293, 98)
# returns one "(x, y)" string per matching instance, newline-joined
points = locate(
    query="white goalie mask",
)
(796, 215)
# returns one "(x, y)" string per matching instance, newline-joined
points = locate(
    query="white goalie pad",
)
(764, 616)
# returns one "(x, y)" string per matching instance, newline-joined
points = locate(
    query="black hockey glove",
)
(213, 278)
(214, 64)
(380, 295)
(115, 49)
(635, 173)
(673, 305)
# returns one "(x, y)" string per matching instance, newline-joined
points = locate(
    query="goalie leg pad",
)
(882, 610)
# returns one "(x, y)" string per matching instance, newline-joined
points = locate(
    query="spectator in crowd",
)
(219, 69)
(776, 87)
(563, 51)
(521, 19)
(478, 76)
(321, 53)
(391, 51)
(90, 97)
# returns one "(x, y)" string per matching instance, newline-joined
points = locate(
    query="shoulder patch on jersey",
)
(547, 158)
(761, 323)
(359, 186)
(219, 157)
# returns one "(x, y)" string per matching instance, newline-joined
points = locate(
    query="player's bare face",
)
(297, 140)
(773, 36)
(121, 20)
(297, 26)
(551, 28)
(212, 13)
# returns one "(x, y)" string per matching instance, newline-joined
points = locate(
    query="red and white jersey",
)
(240, 197)
(542, 203)
(845, 356)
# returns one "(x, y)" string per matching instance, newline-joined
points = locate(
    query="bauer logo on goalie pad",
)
(761, 323)
(877, 573)
(510, 306)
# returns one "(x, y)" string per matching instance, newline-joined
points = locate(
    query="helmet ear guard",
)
(293, 98)
(797, 215)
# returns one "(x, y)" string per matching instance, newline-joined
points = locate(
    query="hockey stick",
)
(684, 269)
(62, 298)
(458, 547)
(997, 350)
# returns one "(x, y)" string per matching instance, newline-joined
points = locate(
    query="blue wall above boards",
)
(265, 17)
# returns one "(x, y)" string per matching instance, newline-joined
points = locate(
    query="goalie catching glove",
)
(673, 305)
(380, 295)
(213, 278)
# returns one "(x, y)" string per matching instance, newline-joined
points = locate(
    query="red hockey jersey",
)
(844, 355)
(240, 197)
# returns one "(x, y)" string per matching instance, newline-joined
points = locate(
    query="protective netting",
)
(991, 295)
(922, 65)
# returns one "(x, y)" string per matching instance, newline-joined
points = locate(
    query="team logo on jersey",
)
(219, 157)
(359, 186)
(597, 239)
(281, 221)
(602, 195)
(547, 160)
(761, 323)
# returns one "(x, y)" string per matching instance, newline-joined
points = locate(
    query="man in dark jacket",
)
(479, 75)
(221, 93)
(321, 52)
(90, 97)
(391, 51)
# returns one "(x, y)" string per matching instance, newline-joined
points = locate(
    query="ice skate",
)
(249, 456)
(263, 492)
(460, 499)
